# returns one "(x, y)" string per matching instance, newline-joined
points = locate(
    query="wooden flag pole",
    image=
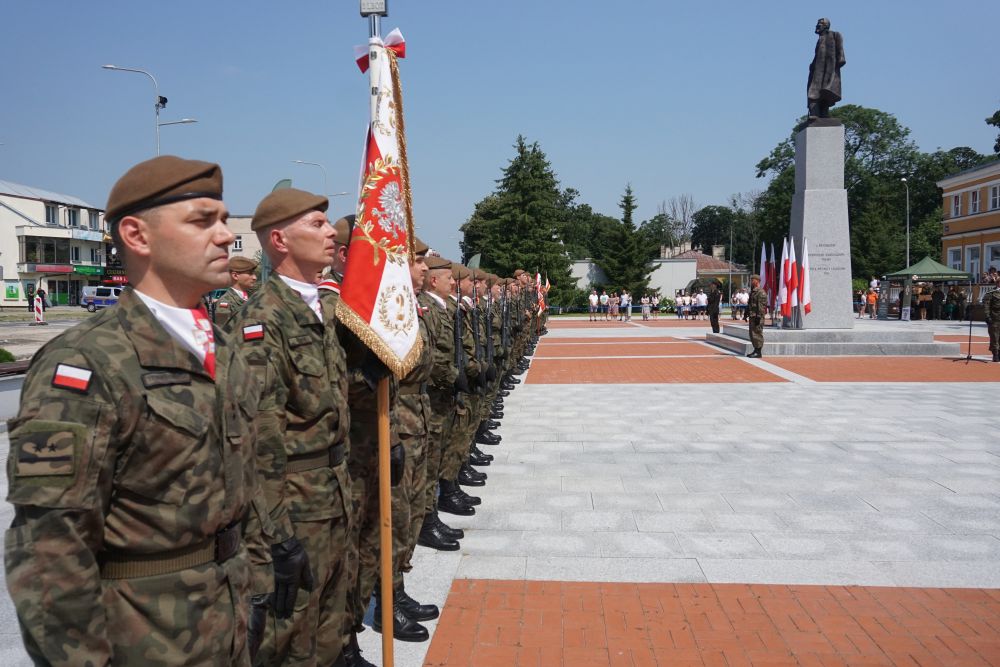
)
(385, 520)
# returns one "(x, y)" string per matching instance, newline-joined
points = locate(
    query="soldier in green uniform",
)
(755, 314)
(446, 386)
(243, 272)
(288, 339)
(714, 299)
(992, 307)
(132, 464)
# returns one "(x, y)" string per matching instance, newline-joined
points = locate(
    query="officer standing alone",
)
(756, 311)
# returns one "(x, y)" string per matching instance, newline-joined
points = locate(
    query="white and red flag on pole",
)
(793, 278)
(377, 301)
(765, 278)
(805, 298)
(772, 281)
(782, 299)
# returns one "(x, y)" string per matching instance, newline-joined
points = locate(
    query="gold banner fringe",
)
(399, 367)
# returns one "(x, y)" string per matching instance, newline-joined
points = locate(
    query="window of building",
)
(238, 243)
(51, 214)
(995, 197)
(972, 264)
(95, 220)
(993, 256)
(95, 256)
(955, 258)
(43, 250)
(72, 217)
(74, 254)
(974, 202)
(956, 206)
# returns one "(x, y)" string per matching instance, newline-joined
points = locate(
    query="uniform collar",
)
(154, 347)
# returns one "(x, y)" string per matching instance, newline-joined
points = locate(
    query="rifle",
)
(459, 348)
(490, 351)
(505, 320)
(475, 334)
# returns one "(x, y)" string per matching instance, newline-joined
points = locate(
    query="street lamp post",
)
(316, 164)
(907, 186)
(182, 121)
(159, 102)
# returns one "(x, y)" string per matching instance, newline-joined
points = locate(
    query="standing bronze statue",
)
(823, 90)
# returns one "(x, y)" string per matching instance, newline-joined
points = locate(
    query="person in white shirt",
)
(593, 300)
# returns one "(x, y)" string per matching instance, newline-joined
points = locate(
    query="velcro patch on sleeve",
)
(253, 332)
(47, 449)
(72, 377)
(222, 304)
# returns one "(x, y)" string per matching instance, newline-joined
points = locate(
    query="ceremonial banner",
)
(765, 275)
(772, 281)
(792, 278)
(377, 301)
(782, 299)
(805, 298)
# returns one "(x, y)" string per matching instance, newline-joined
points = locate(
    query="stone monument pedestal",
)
(891, 341)
(819, 215)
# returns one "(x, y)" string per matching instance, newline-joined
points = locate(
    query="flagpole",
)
(384, 481)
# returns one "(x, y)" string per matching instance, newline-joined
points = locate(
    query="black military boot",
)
(503, 392)
(478, 452)
(476, 474)
(467, 499)
(755, 354)
(518, 370)
(492, 424)
(496, 414)
(434, 538)
(478, 459)
(465, 478)
(352, 654)
(484, 437)
(446, 530)
(506, 386)
(996, 356)
(512, 379)
(404, 628)
(415, 610)
(451, 500)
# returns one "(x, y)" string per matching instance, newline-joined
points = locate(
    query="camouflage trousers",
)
(757, 332)
(438, 434)
(994, 330)
(408, 500)
(463, 425)
(363, 540)
(314, 634)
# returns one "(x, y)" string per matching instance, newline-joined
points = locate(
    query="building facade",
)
(49, 241)
(970, 239)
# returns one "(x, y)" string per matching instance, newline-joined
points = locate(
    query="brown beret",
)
(163, 180)
(437, 262)
(285, 204)
(755, 277)
(518, 272)
(242, 264)
(344, 227)
(419, 247)
(460, 271)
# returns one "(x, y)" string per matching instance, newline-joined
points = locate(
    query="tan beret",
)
(286, 204)
(163, 180)
(242, 264)
(344, 227)
(755, 277)
(419, 247)
(518, 273)
(437, 262)
(460, 271)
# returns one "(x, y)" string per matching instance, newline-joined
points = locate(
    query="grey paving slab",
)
(563, 543)
(944, 573)
(802, 546)
(721, 545)
(964, 521)
(628, 501)
(733, 522)
(666, 522)
(597, 520)
(803, 572)
(640, 544)
(679, 570)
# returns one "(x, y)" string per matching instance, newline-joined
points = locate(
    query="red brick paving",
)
(623, 349)
(492, 623)
(608, 339)
(889, 369)
(955, 338)
(647, 371)
(583, 324)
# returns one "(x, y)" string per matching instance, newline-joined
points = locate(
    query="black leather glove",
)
(462, 384)
(259, 604)
(291, 570)
(373, 370)
(397, 460)
(491, 373)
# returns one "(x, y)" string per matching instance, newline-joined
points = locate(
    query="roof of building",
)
(967, 173)
(28, 192)
(708, 263)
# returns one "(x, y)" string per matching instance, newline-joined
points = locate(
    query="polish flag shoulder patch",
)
(253, 332)
(330, 285)
(72, 377)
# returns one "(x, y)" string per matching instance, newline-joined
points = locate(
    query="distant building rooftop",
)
(28, 192)
(708, 264)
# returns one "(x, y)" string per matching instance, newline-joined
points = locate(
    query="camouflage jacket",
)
(227, 305)
(441, 329)
(124, 449)
(991, 302)
(413, 407)
(300, 366)
(468, 342)
(757, 306)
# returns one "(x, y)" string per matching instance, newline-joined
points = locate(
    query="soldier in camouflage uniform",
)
(288, 338)
(132, 466)
(443, 390)
(243, 272)
(991, 302)
(756, 312)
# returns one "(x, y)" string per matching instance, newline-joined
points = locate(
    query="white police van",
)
(99, 297)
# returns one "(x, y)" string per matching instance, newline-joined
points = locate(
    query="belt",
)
(327, 458)
(220, 548)
(413, 389)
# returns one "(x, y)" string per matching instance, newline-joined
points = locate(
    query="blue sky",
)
(672, 97)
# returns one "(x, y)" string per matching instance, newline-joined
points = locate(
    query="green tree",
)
(519, 224)
(713, 226)
(994, 120)
(626, 258)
